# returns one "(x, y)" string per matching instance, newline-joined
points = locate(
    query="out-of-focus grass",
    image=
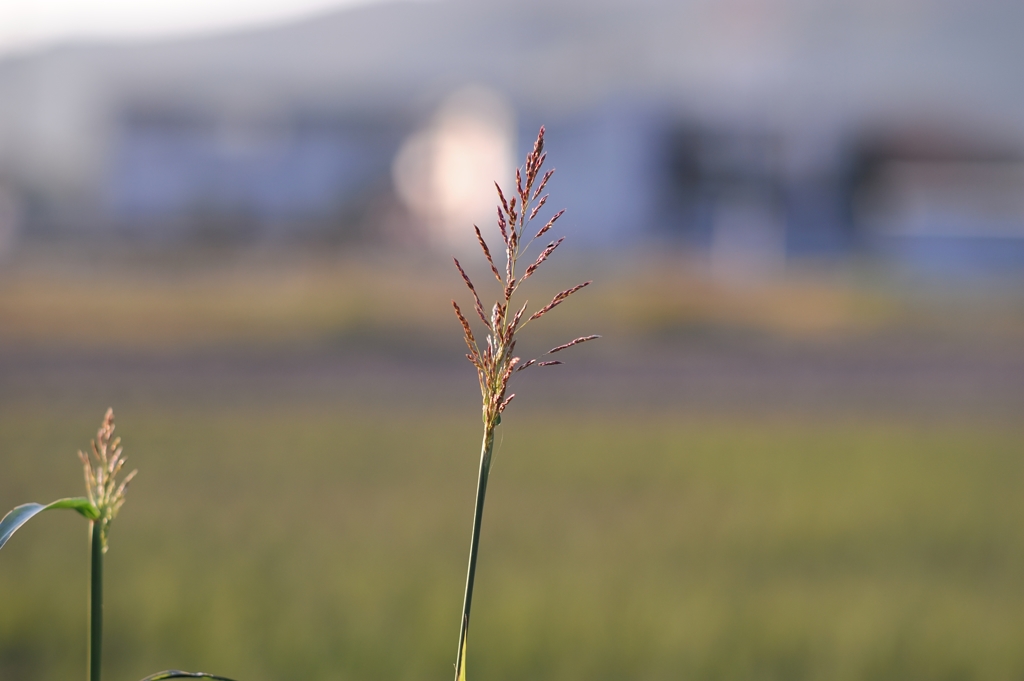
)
(167, 304)
(313, 544)
(279, 299)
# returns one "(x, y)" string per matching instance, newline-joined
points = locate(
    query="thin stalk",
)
(486, 450)
(96, 603)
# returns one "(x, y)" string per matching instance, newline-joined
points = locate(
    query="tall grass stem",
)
(96, 603)
(486, 450)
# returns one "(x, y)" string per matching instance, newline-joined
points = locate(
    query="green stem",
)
(96, 603)
(481, 489)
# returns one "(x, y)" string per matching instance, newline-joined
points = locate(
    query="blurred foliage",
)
(133, 301)
(282, 530)
(316, 543)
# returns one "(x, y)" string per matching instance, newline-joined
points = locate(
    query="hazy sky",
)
(29, 24)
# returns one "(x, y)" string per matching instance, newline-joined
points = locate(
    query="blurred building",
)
(752, 131)
(176, 173)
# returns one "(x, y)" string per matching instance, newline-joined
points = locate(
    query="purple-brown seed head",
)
(495, 362)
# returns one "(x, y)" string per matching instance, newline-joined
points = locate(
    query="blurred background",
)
(797, 453)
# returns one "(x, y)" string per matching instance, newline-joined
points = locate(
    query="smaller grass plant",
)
(105, 494)
(495, 362)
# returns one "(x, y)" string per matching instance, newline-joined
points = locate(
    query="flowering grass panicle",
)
(102, 466)
(495, 359)
(495, 362)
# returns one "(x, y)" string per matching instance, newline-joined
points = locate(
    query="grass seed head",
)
(495, 363)
(102, 466)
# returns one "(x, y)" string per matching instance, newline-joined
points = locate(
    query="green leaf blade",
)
(16, 518)
(20, 515)
(176, 674)
(80, 504)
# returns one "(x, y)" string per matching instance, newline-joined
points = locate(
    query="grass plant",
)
(495, 362)
(105, 494)
(671, 544)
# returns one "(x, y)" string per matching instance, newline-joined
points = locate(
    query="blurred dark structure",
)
(753, 131)
(940, 199)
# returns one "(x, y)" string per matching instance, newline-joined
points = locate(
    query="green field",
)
(280, 543)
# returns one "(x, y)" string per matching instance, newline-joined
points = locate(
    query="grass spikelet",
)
(476, 299)
(549, 225)
(487, 253)
(577, 341)
(544, 255)
(557, 300)
(536, 209)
